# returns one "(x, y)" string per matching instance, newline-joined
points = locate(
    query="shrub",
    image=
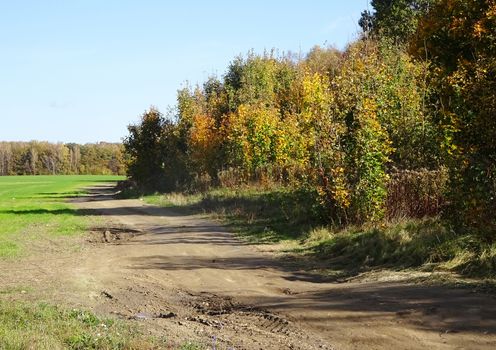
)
(416, 193)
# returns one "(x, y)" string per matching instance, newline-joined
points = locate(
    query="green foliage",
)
(365, 143)
(324, 61)
(373, 119)
(257, 137)
(402, 94)
(154, 147)
(251, 81)
(394, 19)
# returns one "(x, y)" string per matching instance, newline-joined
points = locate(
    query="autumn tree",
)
(335, 123)
(459, 40)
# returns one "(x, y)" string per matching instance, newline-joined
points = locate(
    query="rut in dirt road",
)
(189, 278)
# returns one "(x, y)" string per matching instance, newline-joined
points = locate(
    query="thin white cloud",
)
(58, 105)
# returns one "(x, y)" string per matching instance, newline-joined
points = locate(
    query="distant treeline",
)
(403, 117)
(43, 158)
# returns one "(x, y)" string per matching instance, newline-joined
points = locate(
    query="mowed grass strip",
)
(47, 327)
(33, 207)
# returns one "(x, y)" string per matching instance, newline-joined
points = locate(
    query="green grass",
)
(46, 327)
(426, 244)
(287, 218)
(33, 207)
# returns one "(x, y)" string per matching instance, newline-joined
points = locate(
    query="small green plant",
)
(191, 346)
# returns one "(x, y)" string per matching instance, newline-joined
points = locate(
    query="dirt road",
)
(185, 277)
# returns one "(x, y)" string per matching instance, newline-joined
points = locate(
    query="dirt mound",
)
(112, 234)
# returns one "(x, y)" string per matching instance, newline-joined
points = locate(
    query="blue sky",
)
(82, 70)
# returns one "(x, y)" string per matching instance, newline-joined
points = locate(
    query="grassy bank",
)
(33, 207)
(285, 217)
(43, 326)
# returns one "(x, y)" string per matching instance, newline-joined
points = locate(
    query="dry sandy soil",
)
(186, 278)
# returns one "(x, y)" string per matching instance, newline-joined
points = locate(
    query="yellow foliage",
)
(203, 141)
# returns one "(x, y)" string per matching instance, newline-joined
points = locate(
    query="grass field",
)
(32, 207)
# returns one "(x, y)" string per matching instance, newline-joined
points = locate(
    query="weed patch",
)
(43, 326)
